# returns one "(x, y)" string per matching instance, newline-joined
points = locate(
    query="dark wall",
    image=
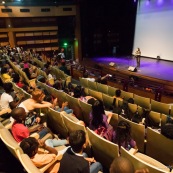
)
(106, 25)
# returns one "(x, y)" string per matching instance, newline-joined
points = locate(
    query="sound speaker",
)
(131, 68)
(111, 64)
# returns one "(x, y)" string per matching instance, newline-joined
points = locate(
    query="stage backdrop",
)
(154, 28)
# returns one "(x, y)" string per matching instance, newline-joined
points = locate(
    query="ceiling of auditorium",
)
(38, 2)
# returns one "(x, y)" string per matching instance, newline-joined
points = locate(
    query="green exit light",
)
(65, 44)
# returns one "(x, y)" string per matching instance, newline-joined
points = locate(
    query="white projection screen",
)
(154, 29)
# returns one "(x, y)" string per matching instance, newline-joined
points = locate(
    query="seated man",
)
(74, 159)
(123, 165)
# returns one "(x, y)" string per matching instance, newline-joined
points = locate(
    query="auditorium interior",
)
(98, 38)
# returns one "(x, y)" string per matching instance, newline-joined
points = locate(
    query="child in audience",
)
(73, 160)
(117, 96)
(20, 131)
(123, 136)
(6, 100)
(30, 147)
(99, 121)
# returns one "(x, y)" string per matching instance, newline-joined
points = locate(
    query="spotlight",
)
(3, 2)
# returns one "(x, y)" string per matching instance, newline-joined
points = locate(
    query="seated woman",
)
(99, 122)
(78, 92)
(5, 75)
(17, 80)
(117, 96)
(30, 73)
(63, 107)
(123, 136)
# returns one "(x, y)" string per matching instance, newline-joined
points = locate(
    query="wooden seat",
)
(73, 103)
(114, 121)
(142, 101)
(86, 109)
(83, 82)
(102, 88)
(140, 164)
(95, 94)
(28, 164)
(137, 133)
(107, 101)
(163, 119)
(10, 142)
(56, 123)
(126, 95)
(132, 108)
(159, 147)
(154, 119)
(104, 151)
(60, 95)
(160, 107)
(71, 125)
(171, 111)
(92, 85)
(111, 91)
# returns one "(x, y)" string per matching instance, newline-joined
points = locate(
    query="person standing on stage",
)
(138, 56)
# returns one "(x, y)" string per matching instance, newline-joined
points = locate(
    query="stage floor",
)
(154, 68)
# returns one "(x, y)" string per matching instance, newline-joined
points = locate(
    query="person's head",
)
(77, 140)
(4, 70)
(167, 130)
(18, 114)
(85, 75)
(118, 93)
(97, 113)
(57, 85)
(29, 146)
(41, 79)
(77, 92)
(26, 70)
(48, 98)
(16, 78)
(121, 165)
(8, 87)
(131, 100)
(38, 95)
(123, 132)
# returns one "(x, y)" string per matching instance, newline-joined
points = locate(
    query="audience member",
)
(99, 122)
(6, 100)
(123, 165)
(20, 131)
(17, 80)
(99, 79)
(73, 160)
(5, 75)
(167, 130)
(123, 136)
(30, 147)
(63, 67)
(31, 74)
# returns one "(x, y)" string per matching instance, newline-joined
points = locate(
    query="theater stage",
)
(150, 67)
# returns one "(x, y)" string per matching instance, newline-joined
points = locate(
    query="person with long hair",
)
(99, 121)
(123, 136)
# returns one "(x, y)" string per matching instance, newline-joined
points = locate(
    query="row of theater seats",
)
(144, 102)
(54, 70)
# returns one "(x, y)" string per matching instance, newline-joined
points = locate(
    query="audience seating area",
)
(151, 144)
